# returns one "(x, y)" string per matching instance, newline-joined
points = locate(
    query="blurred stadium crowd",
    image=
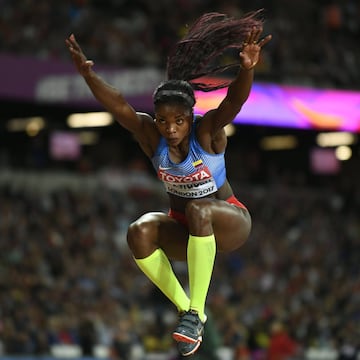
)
(66, 275)
(314, 42)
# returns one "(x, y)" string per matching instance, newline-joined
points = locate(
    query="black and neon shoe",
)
(190, 329)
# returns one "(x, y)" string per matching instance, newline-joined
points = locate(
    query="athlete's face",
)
(173, 122)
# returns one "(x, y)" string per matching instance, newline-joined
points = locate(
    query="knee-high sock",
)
(158, 269)
(201, 253)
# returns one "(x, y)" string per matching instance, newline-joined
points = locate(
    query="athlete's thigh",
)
(231, 225)
(172, 236)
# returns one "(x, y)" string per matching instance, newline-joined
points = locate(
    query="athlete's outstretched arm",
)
(239, 89)
(111, 99)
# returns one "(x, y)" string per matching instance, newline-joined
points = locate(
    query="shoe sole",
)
(193, 350)
(183, 338)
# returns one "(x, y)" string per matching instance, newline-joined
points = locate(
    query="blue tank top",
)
(199, 175)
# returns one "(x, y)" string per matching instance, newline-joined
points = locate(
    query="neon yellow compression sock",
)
(158, 269)
(201, 253)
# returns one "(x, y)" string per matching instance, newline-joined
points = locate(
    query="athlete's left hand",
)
(249, 54)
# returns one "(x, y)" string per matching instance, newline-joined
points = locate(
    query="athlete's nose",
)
(171, 129)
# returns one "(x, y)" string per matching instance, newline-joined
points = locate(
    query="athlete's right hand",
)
(82, 64)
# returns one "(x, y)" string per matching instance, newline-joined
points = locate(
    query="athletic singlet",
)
(199, 175)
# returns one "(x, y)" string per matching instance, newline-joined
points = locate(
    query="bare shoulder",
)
(147, 122)
(205, 122)
(144, 116)
(210, 137)
(149, 137)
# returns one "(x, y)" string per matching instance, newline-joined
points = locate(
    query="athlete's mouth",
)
(171, 140)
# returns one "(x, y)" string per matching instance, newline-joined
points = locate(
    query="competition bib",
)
(196, 185)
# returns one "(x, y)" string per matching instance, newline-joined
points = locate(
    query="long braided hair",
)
(194, 56)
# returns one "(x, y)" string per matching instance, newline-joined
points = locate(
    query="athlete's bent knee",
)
(139, 235)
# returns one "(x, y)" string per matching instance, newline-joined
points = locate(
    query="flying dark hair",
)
(193, 56)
